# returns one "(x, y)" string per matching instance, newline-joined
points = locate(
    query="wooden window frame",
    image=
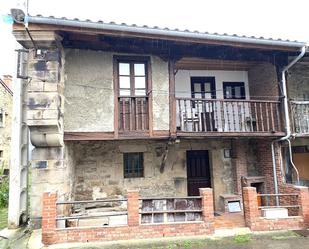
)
(132, 77)
(233, 84)
(138, 172)
(148, 73)
(208, 79)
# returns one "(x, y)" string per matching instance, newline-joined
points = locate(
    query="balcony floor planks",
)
(228, 134)
(97, 136)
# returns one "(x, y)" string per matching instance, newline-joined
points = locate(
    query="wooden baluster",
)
(256, 117)
(240, 112)
(261, 115)
(227, 115)
(199, 124)
(278, 116)
(210, 109)
(245, 120)
(273, 128)
(124, 114)
(216, 124)
(186, 115)
(137, 126)
(130, 114)
(307, 117)
(267, 117)
(180, 115)
(141, 106)
(192, 115)
(222, 116)
(204, 120)
(233, 115)
(250, 117)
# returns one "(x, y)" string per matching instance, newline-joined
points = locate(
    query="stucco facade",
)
(6, 108)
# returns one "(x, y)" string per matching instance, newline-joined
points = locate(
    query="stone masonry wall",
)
(99, 168)
(6, 104)
(52, 167)
(89, 85)
(298, 82)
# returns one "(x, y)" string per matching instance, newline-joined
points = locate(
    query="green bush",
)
(4, 192)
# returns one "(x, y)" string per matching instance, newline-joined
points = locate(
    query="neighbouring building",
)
(148, 132)
(6, 109)
(298, 93)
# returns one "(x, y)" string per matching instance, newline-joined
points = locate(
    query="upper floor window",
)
(234, 90)
(132, 78)
(203, 87)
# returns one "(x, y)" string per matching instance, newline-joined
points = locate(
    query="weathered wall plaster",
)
(100, 165)
(6, 104)
(89, 91)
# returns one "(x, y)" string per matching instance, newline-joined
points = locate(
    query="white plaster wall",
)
(160, 94)
(183, 82)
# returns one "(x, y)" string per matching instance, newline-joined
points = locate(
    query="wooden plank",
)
(79, 136)
(172, 99)
(149, 99)
(116, 101)
(228, 134)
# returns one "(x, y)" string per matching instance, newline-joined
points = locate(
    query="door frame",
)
(210, 168)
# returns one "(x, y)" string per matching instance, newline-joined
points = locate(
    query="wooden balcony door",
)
(201, 88)
(198, 171)
(133, 104)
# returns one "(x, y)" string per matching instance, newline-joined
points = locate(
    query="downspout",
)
(287, 122)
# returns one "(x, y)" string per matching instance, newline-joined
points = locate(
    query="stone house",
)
(6, 104)
(151, 117)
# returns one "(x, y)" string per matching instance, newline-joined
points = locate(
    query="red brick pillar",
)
(49, 213)
(207, 204)
(251, 210)
(304, 203)
(239, 162)
(133, 208)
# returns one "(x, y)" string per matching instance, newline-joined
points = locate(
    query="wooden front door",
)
(198, 171)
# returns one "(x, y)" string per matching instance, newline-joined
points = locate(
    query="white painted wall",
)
(183, 82)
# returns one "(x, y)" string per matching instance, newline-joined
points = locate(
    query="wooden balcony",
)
(216, 117)
(300, 117)
(133, 114)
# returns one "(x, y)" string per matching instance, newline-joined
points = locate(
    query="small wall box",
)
(275, 213)
(234, 206)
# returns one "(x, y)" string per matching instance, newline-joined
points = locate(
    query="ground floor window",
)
(133, 164)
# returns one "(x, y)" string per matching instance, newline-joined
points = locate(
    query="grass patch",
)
(285, 236)
(3, 218)
(245, 238)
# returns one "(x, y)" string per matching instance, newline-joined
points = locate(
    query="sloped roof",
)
(6, 87)
(155, 30)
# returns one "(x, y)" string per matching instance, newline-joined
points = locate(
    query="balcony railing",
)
(133, 114)
(300, 116)
(214, 115)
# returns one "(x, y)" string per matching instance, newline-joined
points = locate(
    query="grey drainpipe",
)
(287, 122)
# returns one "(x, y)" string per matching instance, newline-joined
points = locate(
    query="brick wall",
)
(255, 222)
(263, 82)
(239, 162)
(134, 230)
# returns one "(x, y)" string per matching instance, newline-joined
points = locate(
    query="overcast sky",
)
(284, 19)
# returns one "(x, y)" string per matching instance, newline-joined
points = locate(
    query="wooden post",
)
(172, 100)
